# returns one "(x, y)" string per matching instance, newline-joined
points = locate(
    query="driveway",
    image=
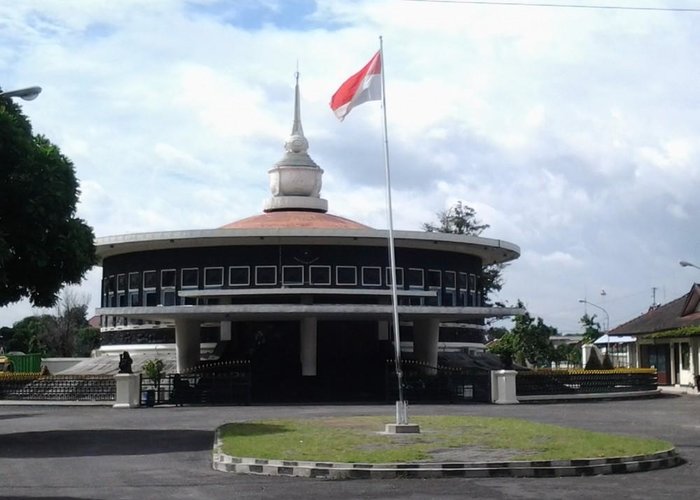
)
(165, 453)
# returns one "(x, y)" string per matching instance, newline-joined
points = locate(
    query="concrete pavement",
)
(102, 453)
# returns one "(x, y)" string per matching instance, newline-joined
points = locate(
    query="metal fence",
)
(423, 383)
(232, 386)
(58, 387)
(552, 382)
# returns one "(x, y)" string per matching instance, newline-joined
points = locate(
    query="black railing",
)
(423, 383)
(552, 382)
(59, 388)
(224, 383)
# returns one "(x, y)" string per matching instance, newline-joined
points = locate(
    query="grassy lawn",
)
(358, 439)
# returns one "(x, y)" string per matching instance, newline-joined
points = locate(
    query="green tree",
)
(461, 219)
(591, 329)
(528, 341)
(59, 336)
(26, 334)
(87, 339)
(43, 245)
(65, 333)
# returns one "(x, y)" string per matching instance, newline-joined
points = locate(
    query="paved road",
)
(165, 453)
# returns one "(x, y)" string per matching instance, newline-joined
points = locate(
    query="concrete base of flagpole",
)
(402, 426)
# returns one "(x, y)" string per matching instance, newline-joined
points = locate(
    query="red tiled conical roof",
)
(295, 219)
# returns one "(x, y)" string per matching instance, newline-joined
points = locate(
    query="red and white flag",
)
(363, 86)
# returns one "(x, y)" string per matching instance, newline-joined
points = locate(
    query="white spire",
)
(295, 180)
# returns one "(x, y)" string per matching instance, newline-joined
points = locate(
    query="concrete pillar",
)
(503, 391)
(187, 343)
(128, 387)
(425, 342)
(307, 346)
(225, 331)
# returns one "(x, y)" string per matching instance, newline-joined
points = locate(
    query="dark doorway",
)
(659, 357)
(351, 361)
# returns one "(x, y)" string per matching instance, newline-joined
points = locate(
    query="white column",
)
(225, 329)
(187, 343)
(425, 341)
(307, 346)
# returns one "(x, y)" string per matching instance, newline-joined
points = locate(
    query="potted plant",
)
(155, 370)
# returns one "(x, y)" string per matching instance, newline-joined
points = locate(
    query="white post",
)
(307, 347)
(187, 343)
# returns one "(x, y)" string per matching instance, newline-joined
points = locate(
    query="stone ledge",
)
(425, 470)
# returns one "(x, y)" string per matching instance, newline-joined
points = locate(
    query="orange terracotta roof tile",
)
(295, 219)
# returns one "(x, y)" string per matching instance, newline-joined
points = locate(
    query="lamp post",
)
(607, 322)
(28, 94)
(685, 263)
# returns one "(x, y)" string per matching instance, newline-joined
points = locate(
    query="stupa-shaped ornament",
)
(295, 180)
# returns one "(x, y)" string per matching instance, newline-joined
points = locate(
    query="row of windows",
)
(290, 275)
(136, 288)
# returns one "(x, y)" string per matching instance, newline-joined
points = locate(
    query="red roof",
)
(295, 219)
(675, 314)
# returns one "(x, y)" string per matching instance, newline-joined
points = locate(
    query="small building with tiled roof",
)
(302, 294)
(668, 339)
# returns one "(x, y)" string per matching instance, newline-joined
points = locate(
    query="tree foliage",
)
(591, 328)
(461, 219)
(64, 334)
(528, 341)
(458, 219)
(43, 245)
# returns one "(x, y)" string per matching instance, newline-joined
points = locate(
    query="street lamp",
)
(607, 321)
(685, 263)
(28, 94)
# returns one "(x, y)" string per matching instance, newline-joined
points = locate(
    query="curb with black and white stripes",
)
(425, 470)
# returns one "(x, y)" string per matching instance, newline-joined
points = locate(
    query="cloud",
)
(572, 132)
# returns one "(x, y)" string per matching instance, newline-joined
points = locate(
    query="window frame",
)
(231, 283)
(292, 283)
(259, 268)
(214, 285)
(319, 283)
(183, 286)
(368, 268)
(337, 271)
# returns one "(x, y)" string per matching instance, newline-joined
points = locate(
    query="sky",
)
(573, 132)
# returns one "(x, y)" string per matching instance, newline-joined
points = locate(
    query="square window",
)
(239, 276)
(463, 282)
(121, 282)
(346, 275)
(371, 276)
(121, 300)
(434, 278)
(319, 275)
(450, 279)
(167, 278)
(292, 275)
(134, 281)
(399, 276)
(190, 277)
(415, 277)
(265, 275)
(149, 280)
(213, 276)
(134, 299)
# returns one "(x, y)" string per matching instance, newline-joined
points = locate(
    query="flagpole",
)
(401, 416)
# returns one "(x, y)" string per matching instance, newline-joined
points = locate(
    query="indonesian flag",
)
(363, 86)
